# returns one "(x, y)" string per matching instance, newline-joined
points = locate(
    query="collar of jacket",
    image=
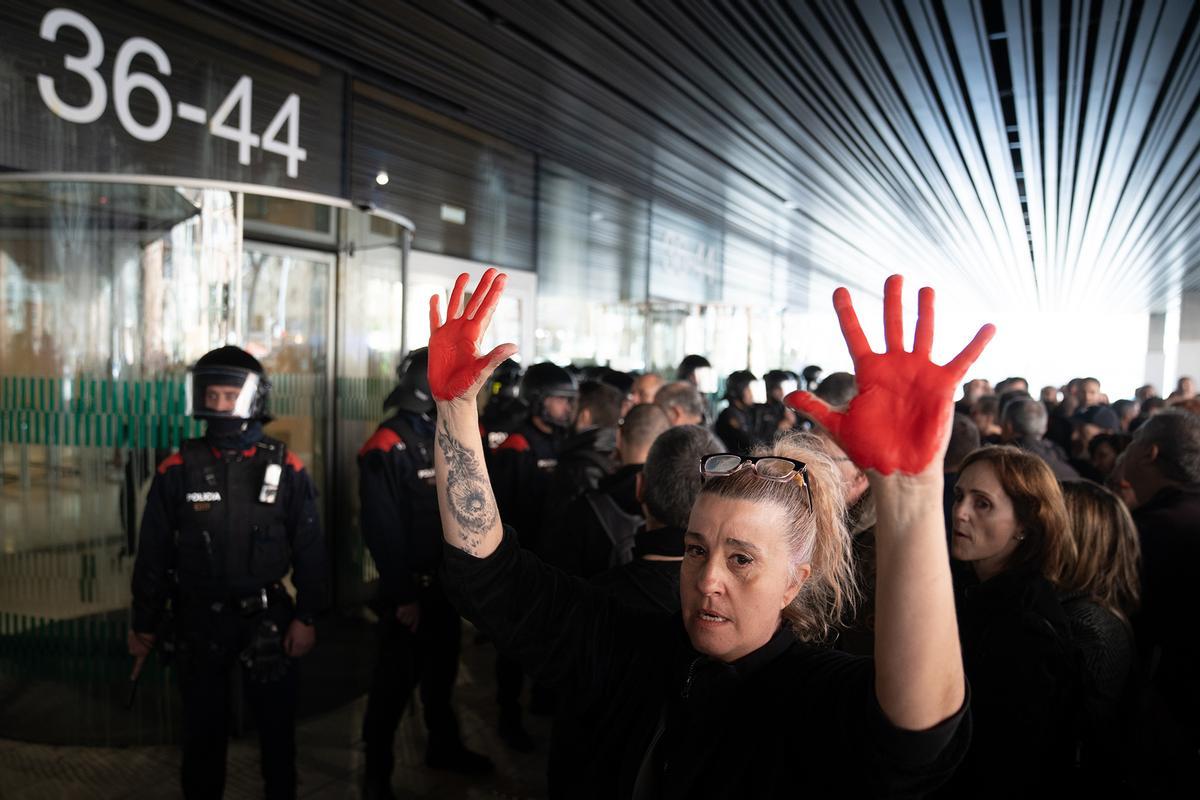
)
(703, 676)
(659, 542)
(1168, 497)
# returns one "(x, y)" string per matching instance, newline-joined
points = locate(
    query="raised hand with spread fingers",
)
(470, 520)
(900, 418)
(896, 429)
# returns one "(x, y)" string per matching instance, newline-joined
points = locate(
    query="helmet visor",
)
(758, 391)
(222, 392)
(706, 380)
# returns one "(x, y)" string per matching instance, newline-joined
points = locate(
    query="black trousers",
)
(428, 658)
(209, 646)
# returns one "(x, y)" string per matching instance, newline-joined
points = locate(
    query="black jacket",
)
(217, 537)
(787, 719)
(584, 459)
(651, 587)
(737, 429)
(1105, 642)
(399, 515)
(522, 465)
(590, 544)
(1052, 454)
(1169, 529)
(1026, 686)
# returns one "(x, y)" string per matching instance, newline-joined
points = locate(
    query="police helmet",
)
(506, 380)
(737, 383)
(781, 379)
(546, 380)
(697, 370)
(227, 383)
(412, 384)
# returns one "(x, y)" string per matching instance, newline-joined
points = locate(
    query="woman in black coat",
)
(733, 697)
(1010, 530)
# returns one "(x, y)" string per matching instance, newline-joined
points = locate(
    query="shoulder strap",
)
(411, 439)
(618, 526)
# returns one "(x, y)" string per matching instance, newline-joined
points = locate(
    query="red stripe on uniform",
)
(173, 460)
(294, 461)
(515, 441)
(383, 439)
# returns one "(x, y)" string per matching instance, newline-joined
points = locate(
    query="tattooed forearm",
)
(467, 491)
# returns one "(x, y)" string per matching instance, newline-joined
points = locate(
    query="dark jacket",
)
(789, 717)
(207, 527)
(736, 428)
(1026, 683)
(584, 459)
(1052, 454)
(600, 526)
(1105, 642)
(522, 465)
(648, 586)
(399, 515)
(1169, 529)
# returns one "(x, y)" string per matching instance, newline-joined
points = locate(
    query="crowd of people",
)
(849, 582)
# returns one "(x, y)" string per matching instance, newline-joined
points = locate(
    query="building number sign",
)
(231, 120)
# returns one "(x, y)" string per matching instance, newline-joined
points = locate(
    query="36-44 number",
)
(125, 81)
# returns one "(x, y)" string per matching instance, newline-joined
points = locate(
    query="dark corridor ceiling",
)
(1036, 154)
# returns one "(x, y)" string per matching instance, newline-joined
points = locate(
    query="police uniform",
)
(403, 530)
(222, 528)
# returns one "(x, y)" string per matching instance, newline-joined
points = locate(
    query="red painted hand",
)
(455, 367)
(900, 418)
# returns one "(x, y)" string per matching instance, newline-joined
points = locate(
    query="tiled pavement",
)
(329, 761)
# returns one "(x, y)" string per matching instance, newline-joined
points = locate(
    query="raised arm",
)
(470, 520)
(897, 429)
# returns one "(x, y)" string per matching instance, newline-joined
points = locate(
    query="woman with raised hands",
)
(734, 696)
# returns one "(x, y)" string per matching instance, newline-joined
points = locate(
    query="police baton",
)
(134, 677)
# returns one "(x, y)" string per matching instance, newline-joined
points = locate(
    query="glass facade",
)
(108, 292)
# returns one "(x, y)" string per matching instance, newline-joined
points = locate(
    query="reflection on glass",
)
(107, 293)
(285, 325)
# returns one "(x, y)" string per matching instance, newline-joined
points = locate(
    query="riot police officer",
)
(227, 517)
(774, 416)
(419, 631)
(522, 466)
(501, 410)
(736, 425)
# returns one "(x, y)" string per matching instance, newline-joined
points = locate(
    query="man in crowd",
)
(419, 631)
(584, 459)
(645, 387)
(1025, 422)
(682, 402)
(601, 524)
(1162, 468)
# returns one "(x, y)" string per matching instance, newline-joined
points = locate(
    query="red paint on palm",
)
(455, 366)
(900, 418)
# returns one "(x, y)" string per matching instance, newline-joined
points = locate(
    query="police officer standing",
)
(522, 466)
(419, 631)
(226, 519)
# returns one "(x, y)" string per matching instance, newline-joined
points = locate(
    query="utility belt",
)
(245, 605)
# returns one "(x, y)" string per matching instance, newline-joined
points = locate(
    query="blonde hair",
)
(818, 538)
(1107, 551)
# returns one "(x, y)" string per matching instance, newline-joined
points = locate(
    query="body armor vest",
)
(232, 538)
(421, 483)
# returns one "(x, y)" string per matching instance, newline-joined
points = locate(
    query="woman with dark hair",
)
(1010, 528)
(1101, 594)
(733, 697)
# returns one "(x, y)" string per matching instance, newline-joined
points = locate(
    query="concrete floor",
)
(329, 761)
